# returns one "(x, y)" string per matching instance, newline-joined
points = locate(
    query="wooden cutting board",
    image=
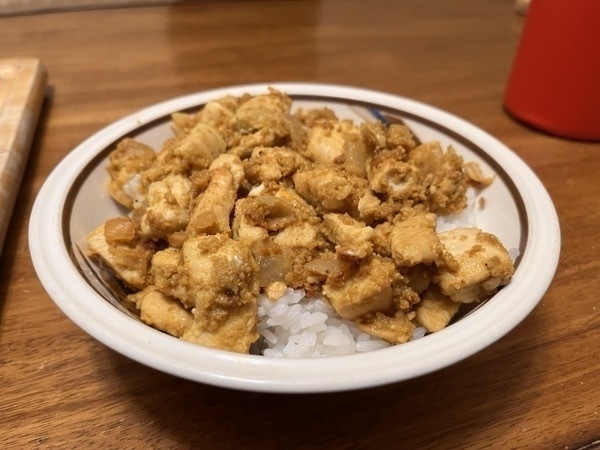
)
(22, 86)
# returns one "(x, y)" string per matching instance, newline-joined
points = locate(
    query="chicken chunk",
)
(351, 237)
(338, 143)
(168, 276)
(273, 164)
(200, 147)
(222, 280)
(129, 158)
(302, 235)
(219, 113)
(396, 329)
(435, 310)
(165, 207)
(400, 136)
(213, 209)
(330, 189)
(216, 114)
(389, 175)
(442, 173)
(186, 153)
(303, 210)
(162, 312)
(369, 207)
(382, 239)
(118, 245)
(483, 265)
(367, 290)
(414, 241)
(248, 214)
(262, 120)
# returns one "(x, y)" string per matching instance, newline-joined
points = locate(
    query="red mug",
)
(554, 83)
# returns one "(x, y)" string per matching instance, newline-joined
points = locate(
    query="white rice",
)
(295, 326)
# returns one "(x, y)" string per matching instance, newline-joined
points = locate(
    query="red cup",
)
(554, 83)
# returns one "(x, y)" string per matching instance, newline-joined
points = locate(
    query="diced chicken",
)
(262, 120)
(129, 158)
(186, 153)
(213, 209)
(233, 164)
(435, 310)
(389, 175)
(414, 241)
(264, 111)
(351, 237)
(302, 235)
(382, 239)
(395, 329)
(246, 225)
(222, 280)
(165, 209)
(162, 312)
(368, 290)
(315, 116)
(273, 164)
(117, 244)
(400, 136)
(338, 143)
(303, 210)
(369, 207)
(200, 147)
(443, 175)
(219, 113)
(216, 114)
(330, 189)
(270, 212)
(168, 275)
(483, 265)
(426, 157)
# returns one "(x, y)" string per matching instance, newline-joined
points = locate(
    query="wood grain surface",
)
(535, 388)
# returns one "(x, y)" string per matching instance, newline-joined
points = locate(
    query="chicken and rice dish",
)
(250, 200)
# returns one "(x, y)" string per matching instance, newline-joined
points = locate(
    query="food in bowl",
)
(255, 229)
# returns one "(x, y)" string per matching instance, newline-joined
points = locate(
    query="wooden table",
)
(538, 387)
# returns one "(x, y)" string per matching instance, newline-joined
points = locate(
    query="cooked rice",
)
(295, 326)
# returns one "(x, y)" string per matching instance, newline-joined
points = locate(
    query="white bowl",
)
(74, 201)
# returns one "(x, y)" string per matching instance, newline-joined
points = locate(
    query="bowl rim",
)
(153, 348)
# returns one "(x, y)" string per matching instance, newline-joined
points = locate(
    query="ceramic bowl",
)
(74, 200)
